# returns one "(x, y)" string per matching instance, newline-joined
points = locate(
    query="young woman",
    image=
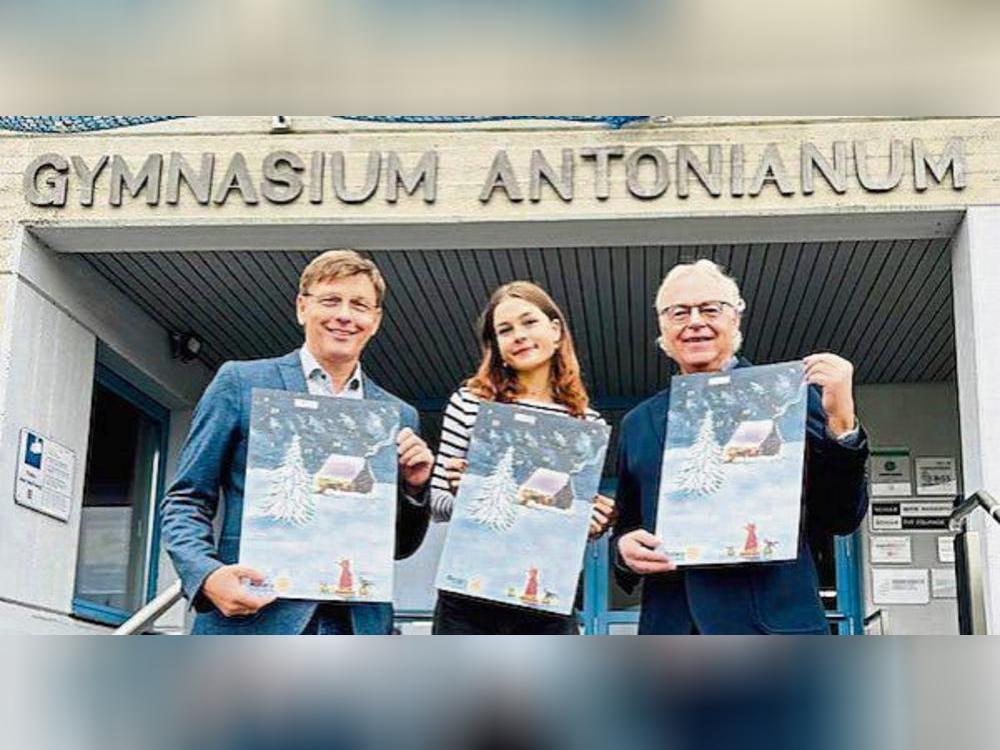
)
(529, 360)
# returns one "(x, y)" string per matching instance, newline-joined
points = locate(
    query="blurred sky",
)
(436, 56)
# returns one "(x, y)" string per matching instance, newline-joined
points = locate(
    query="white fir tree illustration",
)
(495, 507)
(290, 498)
(703, 473)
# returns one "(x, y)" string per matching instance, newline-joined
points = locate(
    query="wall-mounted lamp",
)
(184, 346)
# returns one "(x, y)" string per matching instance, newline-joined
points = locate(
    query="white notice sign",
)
(900, 586)
(943, 583)
(946, 549)
(44, 475)
(936, 476)
(890, 473)
(891, 549)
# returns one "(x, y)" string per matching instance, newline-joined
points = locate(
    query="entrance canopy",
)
(884, 304)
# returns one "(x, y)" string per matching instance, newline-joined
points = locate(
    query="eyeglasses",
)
(334, 301)
(681, 314)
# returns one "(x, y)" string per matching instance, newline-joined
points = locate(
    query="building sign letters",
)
(643, 173)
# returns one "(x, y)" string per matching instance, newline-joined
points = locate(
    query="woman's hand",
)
(416, 462)
(602, 515)
(454, 468)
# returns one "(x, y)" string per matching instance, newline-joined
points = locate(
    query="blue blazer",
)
(215, 457)
(763, 598)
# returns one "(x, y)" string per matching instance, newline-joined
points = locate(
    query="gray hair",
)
(716, 271)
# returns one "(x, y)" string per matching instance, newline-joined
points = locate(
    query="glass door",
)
(119, 545)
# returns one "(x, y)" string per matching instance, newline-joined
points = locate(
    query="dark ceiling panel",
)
(886, 305)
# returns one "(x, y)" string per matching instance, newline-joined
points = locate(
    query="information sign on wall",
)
(44, 480)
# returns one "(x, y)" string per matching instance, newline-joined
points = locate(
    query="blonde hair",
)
(338, 264)
(708, 268)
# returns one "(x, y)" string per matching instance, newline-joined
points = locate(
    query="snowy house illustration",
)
(345, 474)
(547, 488)
(753, 439)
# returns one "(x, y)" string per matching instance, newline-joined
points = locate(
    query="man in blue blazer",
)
(699, 310)
(339, 306)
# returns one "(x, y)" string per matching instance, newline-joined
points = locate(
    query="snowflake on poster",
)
(584, 453)
(703, 472)
(374, 425)
(388, 438)
(289, 499)
(495, 508)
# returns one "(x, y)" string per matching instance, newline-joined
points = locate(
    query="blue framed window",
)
(604, 605)
(118, 553)
(850, 598)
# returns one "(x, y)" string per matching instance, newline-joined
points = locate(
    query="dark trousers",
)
(462, 615)
(331, 618)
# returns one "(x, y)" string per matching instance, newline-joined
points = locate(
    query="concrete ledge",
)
(273, 234)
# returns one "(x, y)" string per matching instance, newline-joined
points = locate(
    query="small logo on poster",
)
(33, 451)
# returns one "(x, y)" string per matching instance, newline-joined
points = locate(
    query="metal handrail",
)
(877, 616)
(969, 564)
(142, 620)
(981, 499)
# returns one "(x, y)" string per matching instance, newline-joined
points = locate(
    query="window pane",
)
(825, 556)
(618, 599)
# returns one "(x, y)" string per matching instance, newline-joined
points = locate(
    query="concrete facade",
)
(923, 417)
(977, 295)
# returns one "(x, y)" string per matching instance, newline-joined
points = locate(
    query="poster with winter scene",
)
(731, 477)
(519, 528)
(319, 509)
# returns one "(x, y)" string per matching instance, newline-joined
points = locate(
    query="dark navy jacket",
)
(214, 458)
(762, 598)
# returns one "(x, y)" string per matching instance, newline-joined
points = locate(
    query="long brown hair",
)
(494, 381)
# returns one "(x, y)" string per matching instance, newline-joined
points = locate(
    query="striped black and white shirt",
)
(456, 430)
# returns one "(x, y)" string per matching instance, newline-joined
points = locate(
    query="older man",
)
(339, 307)
(700, 310)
